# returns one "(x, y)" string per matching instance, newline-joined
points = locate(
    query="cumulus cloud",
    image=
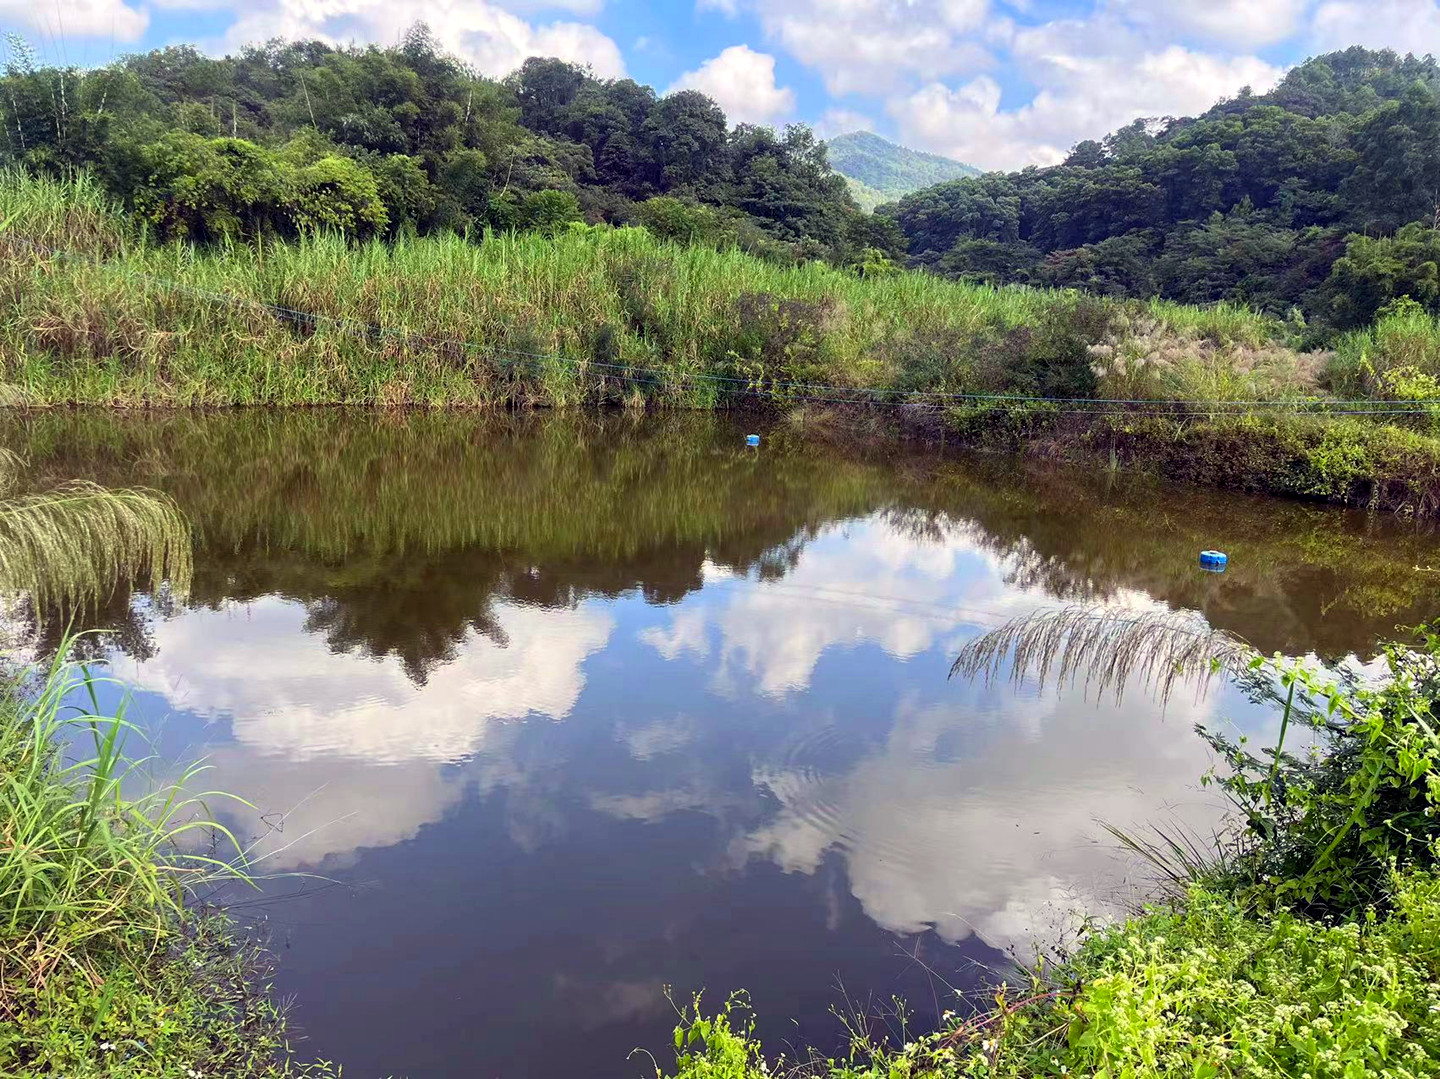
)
(935, 63)
(1000, 843)
(78, 18)
(496, 41)
(317, 704)
(339, 752)
(842, 122)
(1082, 95)
(1404, 25)
(868, 46)
(743, 82)
(1239, 23)
(575, 7)
(863, 583)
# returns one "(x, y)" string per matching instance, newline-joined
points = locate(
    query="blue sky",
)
(998, 83)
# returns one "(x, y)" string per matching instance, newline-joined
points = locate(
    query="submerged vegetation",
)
(1306, 942)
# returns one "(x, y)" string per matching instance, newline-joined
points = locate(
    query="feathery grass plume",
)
(1109, 645)
(74, 544)
(10, 465)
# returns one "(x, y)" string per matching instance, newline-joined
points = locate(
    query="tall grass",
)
(1398, 358)
(1109, 647)
(593, 314)
(89, 866)
(109, 967)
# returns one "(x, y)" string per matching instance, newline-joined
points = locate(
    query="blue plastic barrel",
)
(1214, 559)
(752, 440)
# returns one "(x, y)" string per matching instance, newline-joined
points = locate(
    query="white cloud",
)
(933, 62)
(1239, 23)
(317, 704)
(743, 82)
(1001, 842)
(77, 18)
(870, 46)
(337, 751)
(866, 582)
(842, 122)
(1082, 95)
(1408, 26)
(575, 7)
(493, 39)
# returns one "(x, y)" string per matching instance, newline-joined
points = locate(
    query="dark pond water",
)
(570, 711)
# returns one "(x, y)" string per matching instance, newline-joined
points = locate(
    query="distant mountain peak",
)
(879, 171)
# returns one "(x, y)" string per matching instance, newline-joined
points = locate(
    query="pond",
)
(541, 715)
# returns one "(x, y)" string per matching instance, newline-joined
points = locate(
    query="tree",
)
(1397, 171)
(685, 139)
(543, 88)
(549, 211)
(1376, 271)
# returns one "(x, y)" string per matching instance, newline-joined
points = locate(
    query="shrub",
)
(1324, 833)
(549, 211)
(1199, 990)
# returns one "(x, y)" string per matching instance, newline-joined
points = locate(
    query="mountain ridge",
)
(878, 170)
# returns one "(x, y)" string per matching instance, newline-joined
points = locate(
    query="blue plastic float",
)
(752, 440)
(1215, 561)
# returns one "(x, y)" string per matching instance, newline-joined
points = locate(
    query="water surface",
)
(572, 710)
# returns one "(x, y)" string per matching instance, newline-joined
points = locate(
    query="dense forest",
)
(1318, 200)
(287, 137)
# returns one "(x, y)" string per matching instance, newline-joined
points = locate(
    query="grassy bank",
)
(110, 963)
(597, 316)
(1304, 942)
(107, 966)
(592, 315)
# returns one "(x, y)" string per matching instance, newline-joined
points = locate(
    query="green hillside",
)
(1317, 197)
(879, 171)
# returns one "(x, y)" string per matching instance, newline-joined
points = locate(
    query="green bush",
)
(1202, 990)
(1324, 832)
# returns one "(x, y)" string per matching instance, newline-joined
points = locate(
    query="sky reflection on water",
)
(559, 759)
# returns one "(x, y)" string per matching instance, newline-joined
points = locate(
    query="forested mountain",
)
(1322, 195)
(286, 137)
(879, 170)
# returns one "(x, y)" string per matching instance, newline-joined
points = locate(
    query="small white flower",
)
(193, 1074)
(105, 1047)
